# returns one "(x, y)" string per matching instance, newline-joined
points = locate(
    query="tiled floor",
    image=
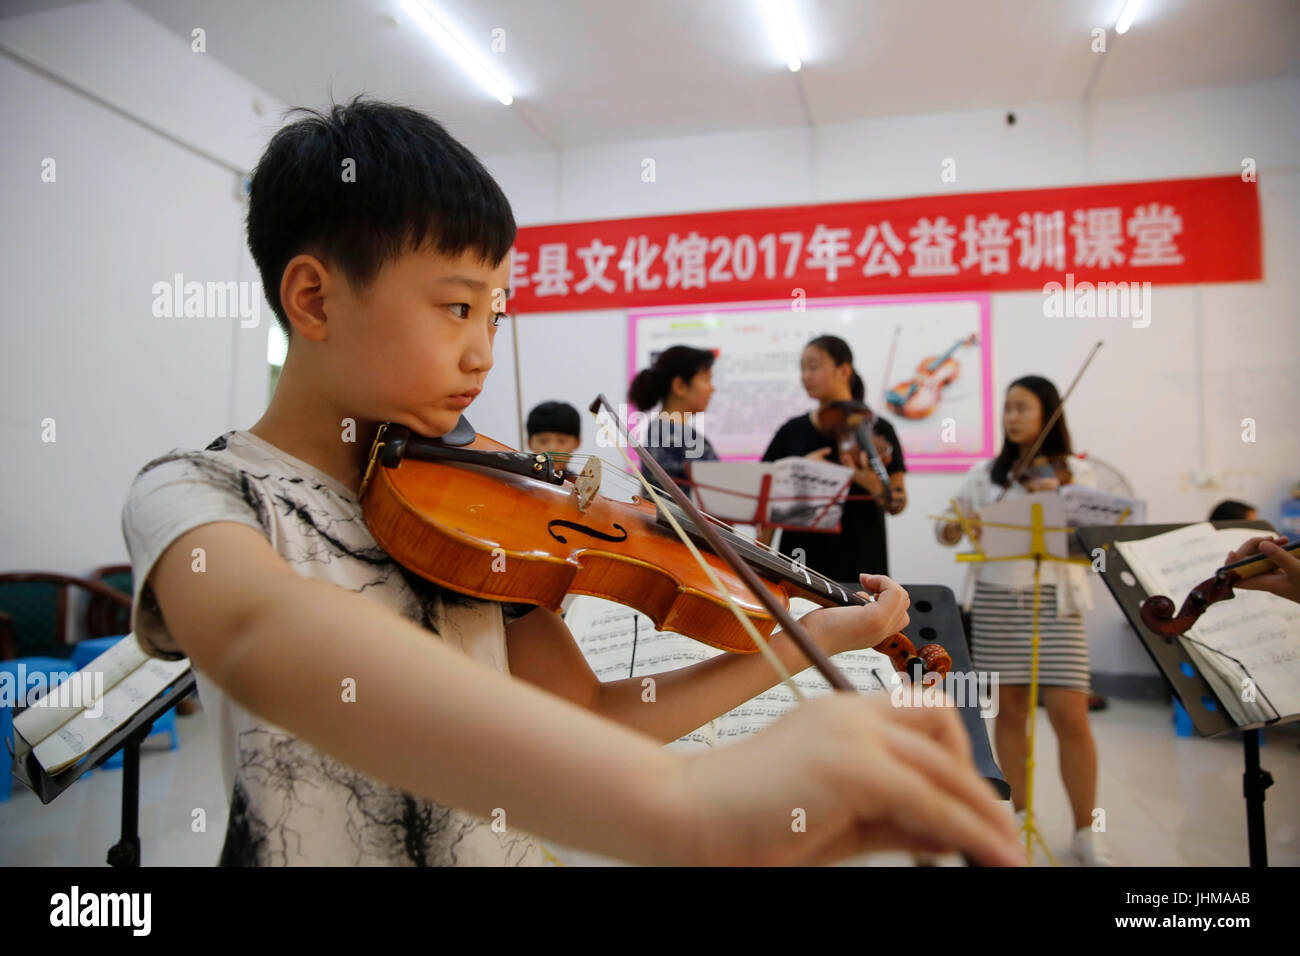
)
(1168, 801)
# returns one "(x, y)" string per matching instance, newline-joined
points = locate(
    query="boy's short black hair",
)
(412, 183)
(1232, 510)
(558, 417)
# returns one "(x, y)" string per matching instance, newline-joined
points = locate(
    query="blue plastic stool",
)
(1182, 722)
(30, 665)
(86, 651)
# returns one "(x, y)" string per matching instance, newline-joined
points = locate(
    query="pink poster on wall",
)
(925, 361)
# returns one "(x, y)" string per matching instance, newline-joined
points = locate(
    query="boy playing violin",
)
(370, 717)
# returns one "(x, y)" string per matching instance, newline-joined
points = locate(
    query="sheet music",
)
(1086, 507)
(867, 670)
(1261, 631)
(1018, 511)
(604, 631)
(745, 478)
(810, 478)
(83, 733)
(37, 723)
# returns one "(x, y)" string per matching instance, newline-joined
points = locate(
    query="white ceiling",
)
(596, 71)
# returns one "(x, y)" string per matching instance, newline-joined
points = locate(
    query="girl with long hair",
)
(1000, 598)
(827, 373)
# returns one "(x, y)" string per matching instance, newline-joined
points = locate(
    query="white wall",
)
(145, 154)
(1160, 403)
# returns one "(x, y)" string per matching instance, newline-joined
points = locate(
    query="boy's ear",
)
(304, 286)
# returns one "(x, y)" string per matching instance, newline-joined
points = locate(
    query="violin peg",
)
(1158, 615)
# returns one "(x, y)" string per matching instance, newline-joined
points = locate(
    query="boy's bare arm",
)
(282, 645)
(544, 652)
(433, 722)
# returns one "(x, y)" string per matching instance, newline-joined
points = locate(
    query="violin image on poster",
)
(920, 395)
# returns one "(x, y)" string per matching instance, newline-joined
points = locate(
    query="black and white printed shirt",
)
(291, 804)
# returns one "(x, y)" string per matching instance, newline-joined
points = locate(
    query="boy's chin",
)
(431, 424)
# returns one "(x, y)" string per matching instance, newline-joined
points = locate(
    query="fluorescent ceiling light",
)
(784, 30)
(427, 16)
(1126, 16)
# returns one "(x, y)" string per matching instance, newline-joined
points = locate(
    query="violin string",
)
(778, 560)
(743, 619)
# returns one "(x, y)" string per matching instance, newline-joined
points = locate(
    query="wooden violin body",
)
(1047, 466)
(520, 535)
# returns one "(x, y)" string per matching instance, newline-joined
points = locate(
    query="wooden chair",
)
(34, 605)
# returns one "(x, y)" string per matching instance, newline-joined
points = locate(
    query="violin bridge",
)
(587, 485)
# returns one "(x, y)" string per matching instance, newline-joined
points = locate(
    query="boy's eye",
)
(460, 305)
(496, 318)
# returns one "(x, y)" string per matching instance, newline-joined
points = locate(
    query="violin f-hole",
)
(560, 522)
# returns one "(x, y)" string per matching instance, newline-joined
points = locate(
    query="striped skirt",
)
(1002, 623)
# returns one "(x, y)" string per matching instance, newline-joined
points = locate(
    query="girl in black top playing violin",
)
(828, 376)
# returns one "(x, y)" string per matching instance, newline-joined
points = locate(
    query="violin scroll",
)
(1158, 610)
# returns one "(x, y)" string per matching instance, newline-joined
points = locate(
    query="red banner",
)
(1166, 231)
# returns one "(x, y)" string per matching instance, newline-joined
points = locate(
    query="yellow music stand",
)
(1038, 553)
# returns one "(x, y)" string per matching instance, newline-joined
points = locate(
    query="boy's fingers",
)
(893, 601)
(940, 724)
(958, 778)
(877, 584)
(920, 808)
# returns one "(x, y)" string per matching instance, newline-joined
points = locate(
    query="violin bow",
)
(889, 367)
(1043, 432)
(723, 550)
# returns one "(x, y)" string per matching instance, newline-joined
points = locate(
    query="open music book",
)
(1248, 646)
(819, 483)
(83, 710)
(620, 642)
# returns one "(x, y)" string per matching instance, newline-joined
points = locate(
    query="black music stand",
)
(1194, 692)
(935, 618)
(127, 738)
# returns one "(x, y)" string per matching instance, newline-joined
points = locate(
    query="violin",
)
(852, 426)
(1046, 466)
(1158, 610)
(921, 394)
(461, 509)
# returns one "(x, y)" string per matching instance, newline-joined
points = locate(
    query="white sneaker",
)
(1090, 849)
